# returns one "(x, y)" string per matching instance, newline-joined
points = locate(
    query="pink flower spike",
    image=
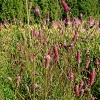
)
(75, 37)
(73, 23)
(81, 84)
(40, 35)
(1, 26)
(51, 78)
(67, 21)
(81, 92)
(77, 90)
(33, 34)
(92, 98)
(97, 62)
(9, 78)
(56, 55)
(45, 43)
(65, 6)
(30, 5)
(47, 61)
(31, 58)
(78, 56)
(70, 75)
(36, 10)
(92, 76)
(87, 63)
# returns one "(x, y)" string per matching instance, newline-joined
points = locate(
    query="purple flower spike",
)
(36, 10)
(65, 6)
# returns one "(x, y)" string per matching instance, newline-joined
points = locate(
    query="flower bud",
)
(67, 21)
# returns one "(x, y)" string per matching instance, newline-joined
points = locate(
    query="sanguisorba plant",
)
(44, 63)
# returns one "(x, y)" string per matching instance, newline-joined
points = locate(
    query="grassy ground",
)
(41, 63)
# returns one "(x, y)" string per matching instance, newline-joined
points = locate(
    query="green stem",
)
(34, 68)
(79, 69)
(27, 12)
(46, 83)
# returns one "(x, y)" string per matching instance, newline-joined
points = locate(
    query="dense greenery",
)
(38, 62)
(17, 8)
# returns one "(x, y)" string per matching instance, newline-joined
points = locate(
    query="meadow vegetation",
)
(58, 60)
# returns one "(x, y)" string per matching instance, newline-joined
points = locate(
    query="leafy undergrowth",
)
(55, 63)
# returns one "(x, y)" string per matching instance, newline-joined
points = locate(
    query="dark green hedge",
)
(17, 8)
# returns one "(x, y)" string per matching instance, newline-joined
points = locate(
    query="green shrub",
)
(17, 8)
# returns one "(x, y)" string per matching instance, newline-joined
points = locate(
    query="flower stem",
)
(28, 12)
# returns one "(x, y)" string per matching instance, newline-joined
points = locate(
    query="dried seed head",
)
(81, 16)
(9, 78)
(70, 75)
(73, 23)
(12, 57)
(27, 87)
(37, 86)
(18, 78)
(30, 5)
